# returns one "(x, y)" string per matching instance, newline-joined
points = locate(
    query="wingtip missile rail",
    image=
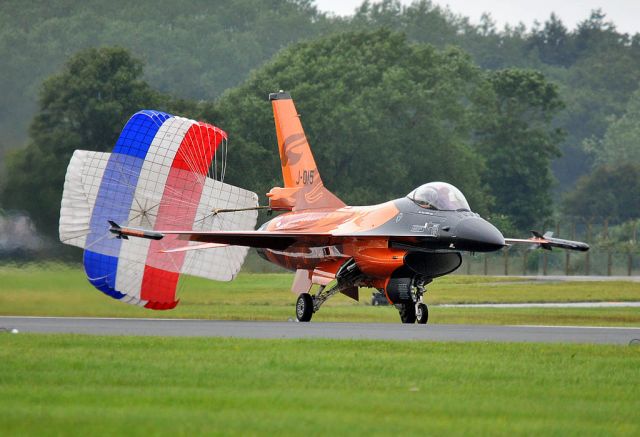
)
(548, 242)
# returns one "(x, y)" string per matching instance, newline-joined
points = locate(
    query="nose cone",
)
(477, 235)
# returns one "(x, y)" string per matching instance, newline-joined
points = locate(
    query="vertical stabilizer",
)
(303, 187)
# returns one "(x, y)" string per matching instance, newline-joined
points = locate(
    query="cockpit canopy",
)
(439, 195)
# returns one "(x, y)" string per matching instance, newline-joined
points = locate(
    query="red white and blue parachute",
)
(165, 172)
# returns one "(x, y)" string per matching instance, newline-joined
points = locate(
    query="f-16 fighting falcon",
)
(160, 194)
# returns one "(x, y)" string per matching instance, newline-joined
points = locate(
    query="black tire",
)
(407, 312)
(422, 314)
(304, 307)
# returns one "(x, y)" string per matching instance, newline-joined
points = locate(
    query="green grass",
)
(56, 290)
(88, 385)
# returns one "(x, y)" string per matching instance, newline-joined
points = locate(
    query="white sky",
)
(624, 13)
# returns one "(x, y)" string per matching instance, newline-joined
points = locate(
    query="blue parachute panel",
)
(115, 196)
(138, 133)
(95, 266)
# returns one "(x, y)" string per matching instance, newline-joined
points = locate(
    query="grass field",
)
(56, 290)
(88, 385)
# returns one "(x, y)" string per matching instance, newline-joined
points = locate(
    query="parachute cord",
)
(223, 170)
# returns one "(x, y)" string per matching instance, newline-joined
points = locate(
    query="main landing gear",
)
(307, 304)
(422, 313)
(304, 307)
(411, 311)
(416, 311)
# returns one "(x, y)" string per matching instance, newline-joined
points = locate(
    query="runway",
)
(371, 331)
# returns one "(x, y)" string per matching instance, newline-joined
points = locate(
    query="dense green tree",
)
(609, 192)
(596, 34)
(198, 49)
(595, 67)
(496, 49)
(552, 42)
(383, 116)
(518, 142)
(595, 89)
(194, 49)
(83, 107)
(621, 143)
(422, 21)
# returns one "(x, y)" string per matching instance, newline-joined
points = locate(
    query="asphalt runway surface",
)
(372, 331)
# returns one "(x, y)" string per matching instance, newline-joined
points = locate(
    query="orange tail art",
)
(303, 187)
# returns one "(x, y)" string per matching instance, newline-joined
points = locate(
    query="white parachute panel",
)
(81, 184)
(146, 200)
(224, 263)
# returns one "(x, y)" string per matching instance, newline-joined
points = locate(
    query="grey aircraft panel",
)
(374, 331)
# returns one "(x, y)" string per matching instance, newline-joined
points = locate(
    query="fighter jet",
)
(397, 247)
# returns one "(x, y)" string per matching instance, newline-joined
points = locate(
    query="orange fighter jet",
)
(397, 247)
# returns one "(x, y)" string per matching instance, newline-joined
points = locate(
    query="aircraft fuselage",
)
(393, 228)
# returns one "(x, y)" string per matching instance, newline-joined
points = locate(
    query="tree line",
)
(198, 49)
(384, 115)
(513, 116)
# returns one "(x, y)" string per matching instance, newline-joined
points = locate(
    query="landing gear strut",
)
(347, 276)
(416, 311)
(307, 304)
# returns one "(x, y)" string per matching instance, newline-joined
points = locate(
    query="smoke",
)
(18, 234)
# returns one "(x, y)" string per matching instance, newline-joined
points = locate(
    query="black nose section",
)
(477, 235)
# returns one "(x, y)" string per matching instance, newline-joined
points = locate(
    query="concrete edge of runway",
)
(293, 330)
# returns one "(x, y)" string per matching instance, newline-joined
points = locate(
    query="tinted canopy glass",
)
(439, 195)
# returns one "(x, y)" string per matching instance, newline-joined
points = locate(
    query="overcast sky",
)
(624, 13)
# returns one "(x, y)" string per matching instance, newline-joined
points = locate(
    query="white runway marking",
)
(578, 278)
(545, 305)
(626, 328)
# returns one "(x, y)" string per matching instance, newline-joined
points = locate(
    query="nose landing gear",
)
(407, 312)
(417, 311)
(422, 313)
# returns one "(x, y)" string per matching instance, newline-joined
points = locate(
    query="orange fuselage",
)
(374, 256)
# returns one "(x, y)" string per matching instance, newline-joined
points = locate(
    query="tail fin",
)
(303, 187)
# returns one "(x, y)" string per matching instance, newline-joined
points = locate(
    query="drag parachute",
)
(165, 172)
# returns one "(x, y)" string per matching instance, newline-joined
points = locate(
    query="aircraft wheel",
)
(422, 314)
(407, 313)
(304, 307)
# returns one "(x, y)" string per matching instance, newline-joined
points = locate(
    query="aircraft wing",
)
(209, 239)
(547, 242)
